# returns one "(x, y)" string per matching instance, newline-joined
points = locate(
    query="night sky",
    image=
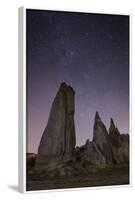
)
(90, 52)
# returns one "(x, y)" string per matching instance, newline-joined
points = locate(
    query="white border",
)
(130, 98)
(22, 100)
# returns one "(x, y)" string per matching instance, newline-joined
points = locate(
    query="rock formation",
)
(90, 154)
(119, 144)
(101, 139)
(114, 134)
(57, 154)
(58, 140)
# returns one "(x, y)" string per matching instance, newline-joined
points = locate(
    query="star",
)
(72, 53)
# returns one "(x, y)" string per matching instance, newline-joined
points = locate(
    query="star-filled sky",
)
(90, 52)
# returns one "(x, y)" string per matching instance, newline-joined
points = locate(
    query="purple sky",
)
(90, 52)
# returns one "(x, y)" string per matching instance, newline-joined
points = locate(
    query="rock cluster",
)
(90, 154)
(105, 148)
(57, 152)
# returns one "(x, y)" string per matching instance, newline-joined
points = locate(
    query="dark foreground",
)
(114, 175)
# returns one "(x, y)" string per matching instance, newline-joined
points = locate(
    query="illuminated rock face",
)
(58, 140)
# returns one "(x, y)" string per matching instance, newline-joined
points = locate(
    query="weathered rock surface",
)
(101, 139)
(114, 134)
(119, 144)
(90, 154)
(58, 140)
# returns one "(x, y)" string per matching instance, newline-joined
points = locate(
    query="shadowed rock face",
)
(119, 144)
(114, 134)
(101, 139)
(58, 140)
(89, 153)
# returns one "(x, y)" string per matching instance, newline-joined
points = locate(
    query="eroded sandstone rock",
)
(101, 139)
(114, 134)
(58, 140)
(119, 143)
(90, 154)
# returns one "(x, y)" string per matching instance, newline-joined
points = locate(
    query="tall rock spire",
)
(114, 134)
(101, 138)
(112, 125)
(97, 117)
(58, 139)
(120, 147)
